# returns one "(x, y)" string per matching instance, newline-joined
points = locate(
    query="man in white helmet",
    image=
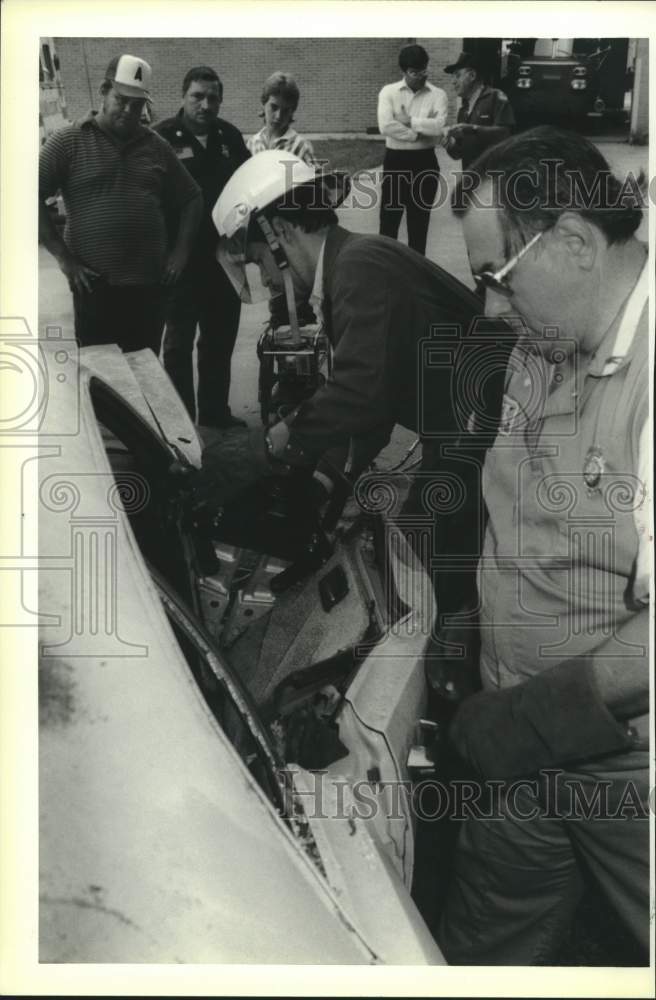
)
(380, 302)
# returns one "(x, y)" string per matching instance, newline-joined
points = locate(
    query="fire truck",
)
(569, 79)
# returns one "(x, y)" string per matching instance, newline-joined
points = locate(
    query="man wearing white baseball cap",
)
(123, 187)
(132, 76)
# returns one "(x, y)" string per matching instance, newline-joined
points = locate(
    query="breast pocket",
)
(146, 176)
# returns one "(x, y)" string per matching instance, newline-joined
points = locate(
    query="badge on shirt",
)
(593, 469)
(185, 153)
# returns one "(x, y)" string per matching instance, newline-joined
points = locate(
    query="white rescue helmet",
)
(260, 182)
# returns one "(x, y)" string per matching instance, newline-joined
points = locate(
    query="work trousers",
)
(409, 184)
(517, 877)
(443, 517)
(131, 316)
(203, 298)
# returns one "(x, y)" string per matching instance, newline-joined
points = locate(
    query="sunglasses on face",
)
(497, 281)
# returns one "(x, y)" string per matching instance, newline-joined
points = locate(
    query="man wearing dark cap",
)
(211, 149)
(120, 182)
(411, 115)
(485, 116)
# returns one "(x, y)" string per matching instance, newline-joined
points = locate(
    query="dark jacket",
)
(399, 327)
(492, 107)
(406, 352)
(210, 167)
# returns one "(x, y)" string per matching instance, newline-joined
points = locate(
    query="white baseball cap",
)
(131, 76)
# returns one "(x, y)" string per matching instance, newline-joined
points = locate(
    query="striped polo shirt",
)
(290, 141)
(116, 197)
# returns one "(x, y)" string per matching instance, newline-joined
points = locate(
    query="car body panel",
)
(143, 382)
(156, 843)
(150, 824)
(362, 874)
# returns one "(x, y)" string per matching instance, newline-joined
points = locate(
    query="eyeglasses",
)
(411, 71)
(498, 281)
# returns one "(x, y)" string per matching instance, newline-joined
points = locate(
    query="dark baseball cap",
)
(464, 61)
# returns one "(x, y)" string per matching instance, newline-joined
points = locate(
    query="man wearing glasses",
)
(561, 725)
(411, 115)
(122, 185)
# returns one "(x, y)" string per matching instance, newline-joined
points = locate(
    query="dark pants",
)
(131, 316)
(516, 878)
(205, 298)
(445, 499)
(409, 184)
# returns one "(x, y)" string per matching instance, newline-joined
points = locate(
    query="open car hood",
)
(143, 382)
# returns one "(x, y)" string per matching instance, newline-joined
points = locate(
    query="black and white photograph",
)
(326, 441)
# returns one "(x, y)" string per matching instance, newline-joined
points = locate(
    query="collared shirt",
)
(316, 295)
(628, 327)
(290, 141)
(487, 106)
(566, 555)
(117, 196)
(211, 160)
(426, 109)
(468, 103)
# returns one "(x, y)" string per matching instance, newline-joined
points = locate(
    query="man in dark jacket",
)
(211, 149)
(485, 116)
(401, 331)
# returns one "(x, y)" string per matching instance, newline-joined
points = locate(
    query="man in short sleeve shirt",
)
(120, 184)
(561, 726)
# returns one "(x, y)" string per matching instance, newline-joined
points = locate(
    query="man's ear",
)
(282, 228)
(580, 238)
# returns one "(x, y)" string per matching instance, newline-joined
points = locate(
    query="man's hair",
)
(281, 85)
(538, 175)
(413, 57)
(309, 220)
(205, 73)
(308, 206)
(110, 73)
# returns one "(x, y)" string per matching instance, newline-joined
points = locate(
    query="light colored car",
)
(171, 830)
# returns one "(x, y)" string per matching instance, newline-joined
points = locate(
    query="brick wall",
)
(339, 78)
(442, 52)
